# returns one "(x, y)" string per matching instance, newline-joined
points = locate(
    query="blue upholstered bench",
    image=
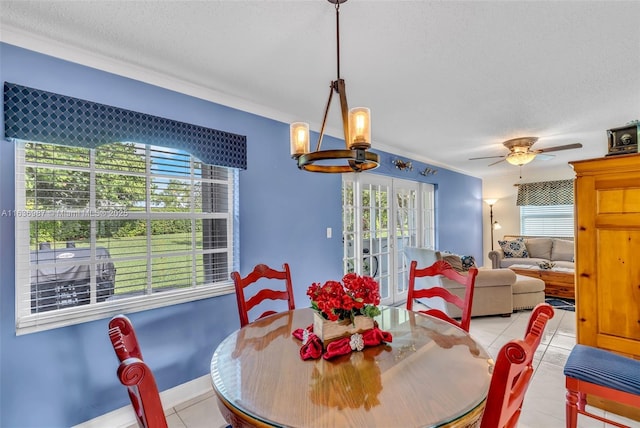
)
(600, 373)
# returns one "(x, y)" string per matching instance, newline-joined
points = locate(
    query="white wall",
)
(505, 211)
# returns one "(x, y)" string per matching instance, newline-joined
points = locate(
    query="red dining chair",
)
(134, 373)
(259, 273)
(512, 373)
(441, 267)
(599, 373)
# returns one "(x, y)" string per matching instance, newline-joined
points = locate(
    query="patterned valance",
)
(546, 193)
(35, 115)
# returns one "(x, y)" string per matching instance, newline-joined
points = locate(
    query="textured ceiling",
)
(445, 80)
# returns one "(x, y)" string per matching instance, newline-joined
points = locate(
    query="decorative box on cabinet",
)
(607, 219)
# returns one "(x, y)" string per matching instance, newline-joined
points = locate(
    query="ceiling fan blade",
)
(496, 162)
(556, 148)
(486, 157)
(544, 157)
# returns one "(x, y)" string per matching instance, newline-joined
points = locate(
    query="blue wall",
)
(64, 376)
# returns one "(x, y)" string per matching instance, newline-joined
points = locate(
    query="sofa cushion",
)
(521, 261)
(525, 284)
(565, 264)
(539, 247)
(494, 278)
(562, 249)
(514, 248)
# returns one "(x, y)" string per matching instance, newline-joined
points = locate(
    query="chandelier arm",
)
(344, 108)
(324, 119)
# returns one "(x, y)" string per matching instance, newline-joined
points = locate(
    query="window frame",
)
(27, 322)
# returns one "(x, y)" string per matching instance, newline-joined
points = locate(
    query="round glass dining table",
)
(431, 374)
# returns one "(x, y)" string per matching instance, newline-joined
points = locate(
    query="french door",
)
(381, 216)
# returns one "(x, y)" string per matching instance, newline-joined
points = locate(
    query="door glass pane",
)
(406, 197)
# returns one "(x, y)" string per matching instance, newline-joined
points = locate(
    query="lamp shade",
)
(299, 136)
(359, 128)
(520, 158)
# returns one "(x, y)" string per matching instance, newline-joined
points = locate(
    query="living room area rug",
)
(564, 304)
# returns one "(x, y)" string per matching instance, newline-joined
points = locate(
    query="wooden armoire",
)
(607, 219)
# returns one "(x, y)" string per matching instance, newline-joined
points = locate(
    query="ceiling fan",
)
(520, 152)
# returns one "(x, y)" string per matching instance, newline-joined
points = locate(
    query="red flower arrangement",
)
(356, 295)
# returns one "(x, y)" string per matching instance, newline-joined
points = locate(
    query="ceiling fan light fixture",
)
(520, 158)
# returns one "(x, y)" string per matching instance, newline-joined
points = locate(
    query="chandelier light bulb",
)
(299, 136)
(359, 128)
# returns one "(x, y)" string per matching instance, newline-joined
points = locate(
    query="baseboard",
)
(125, 417)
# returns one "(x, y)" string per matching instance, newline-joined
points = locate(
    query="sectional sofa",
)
(497, 291)
(531, 250)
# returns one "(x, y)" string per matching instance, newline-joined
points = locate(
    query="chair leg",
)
(573, 399)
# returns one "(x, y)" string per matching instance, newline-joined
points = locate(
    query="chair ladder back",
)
(443, 268)
(143, 392)
(512, 373)
(262, 271)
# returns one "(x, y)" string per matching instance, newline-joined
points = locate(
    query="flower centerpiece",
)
(342, 309)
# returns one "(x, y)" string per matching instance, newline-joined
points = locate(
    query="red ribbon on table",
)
(343, 346)
(312, 345)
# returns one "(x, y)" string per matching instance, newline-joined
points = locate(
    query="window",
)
(546, 220)
(125, 226)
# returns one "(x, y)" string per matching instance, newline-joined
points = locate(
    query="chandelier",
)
(356, 124)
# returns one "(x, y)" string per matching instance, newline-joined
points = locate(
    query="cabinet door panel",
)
(618, 286)
(619, 201)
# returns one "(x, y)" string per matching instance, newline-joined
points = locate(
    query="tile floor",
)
(543, 405)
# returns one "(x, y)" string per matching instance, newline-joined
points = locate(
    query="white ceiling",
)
(445, 80)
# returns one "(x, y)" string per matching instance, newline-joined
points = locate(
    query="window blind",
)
(548, 220)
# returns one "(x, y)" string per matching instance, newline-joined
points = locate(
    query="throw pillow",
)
(514, 248)
(468, 262)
